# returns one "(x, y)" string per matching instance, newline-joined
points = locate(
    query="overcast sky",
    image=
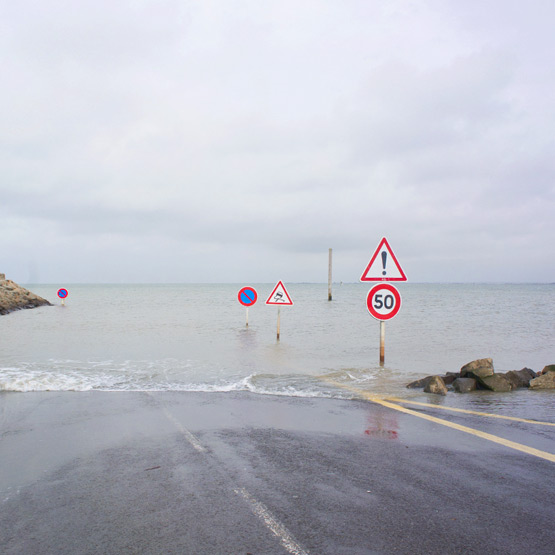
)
(236, 141)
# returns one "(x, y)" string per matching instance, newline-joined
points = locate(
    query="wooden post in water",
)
(279, 308)
(329, 276)
(382, 343)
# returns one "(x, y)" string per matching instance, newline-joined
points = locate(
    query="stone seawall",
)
(479, 374)
(14, 297)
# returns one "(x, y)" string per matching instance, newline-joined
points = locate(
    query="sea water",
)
(195, 338)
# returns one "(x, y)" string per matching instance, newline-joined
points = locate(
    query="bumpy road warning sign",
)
(279, 296)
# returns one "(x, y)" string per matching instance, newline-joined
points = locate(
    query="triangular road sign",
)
(383, 265)
(279, 295)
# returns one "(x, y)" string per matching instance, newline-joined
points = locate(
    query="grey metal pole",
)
(329, 276)
(382, 343)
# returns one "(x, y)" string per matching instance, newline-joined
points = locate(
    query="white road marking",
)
(188, 435)
(260, 510)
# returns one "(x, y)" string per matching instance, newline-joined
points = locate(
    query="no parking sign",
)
(247, 296)
(62, 293)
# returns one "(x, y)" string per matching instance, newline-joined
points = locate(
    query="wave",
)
(165, 375)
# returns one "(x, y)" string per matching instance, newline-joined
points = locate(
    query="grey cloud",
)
(133, 131)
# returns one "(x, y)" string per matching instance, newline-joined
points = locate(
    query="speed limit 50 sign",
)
(383, 301)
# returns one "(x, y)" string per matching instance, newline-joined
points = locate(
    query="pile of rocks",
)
(14, 297)
(479, 374)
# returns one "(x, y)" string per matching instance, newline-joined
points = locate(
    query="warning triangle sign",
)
(383, 265)
(279, 295)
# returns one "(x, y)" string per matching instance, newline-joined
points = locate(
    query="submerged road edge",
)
(484, 435)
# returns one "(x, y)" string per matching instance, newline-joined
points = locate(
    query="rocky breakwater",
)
(479, 374)
(14, 297)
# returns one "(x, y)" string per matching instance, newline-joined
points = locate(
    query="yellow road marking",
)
(495, 439)
(453, 409)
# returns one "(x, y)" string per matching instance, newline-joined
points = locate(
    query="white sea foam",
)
(56, 377)
(163, 375)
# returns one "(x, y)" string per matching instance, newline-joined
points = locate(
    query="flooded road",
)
(182, 472)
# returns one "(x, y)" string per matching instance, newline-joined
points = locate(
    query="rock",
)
(496, 382)
(545, 381)
(480, 368)
(548, 368)
(450, 377)
(423, 382)
(464, 385)
(436, 385)
(14, 297)
(520, 378)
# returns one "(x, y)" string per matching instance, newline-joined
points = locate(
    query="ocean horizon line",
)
(241, 283)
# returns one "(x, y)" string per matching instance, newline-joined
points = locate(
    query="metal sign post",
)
(62, 293)
(247, 297)
(382, 343)
(383, 300)
(280, 297)
(383, 303)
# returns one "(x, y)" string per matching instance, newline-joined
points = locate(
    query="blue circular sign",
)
(62, 293)
(247, 296)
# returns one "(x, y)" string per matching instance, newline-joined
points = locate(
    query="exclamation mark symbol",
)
(384, 262)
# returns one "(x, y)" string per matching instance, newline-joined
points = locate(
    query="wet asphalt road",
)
(237, 473)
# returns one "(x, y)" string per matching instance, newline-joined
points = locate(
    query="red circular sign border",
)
(391, 289)
(244, 289)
